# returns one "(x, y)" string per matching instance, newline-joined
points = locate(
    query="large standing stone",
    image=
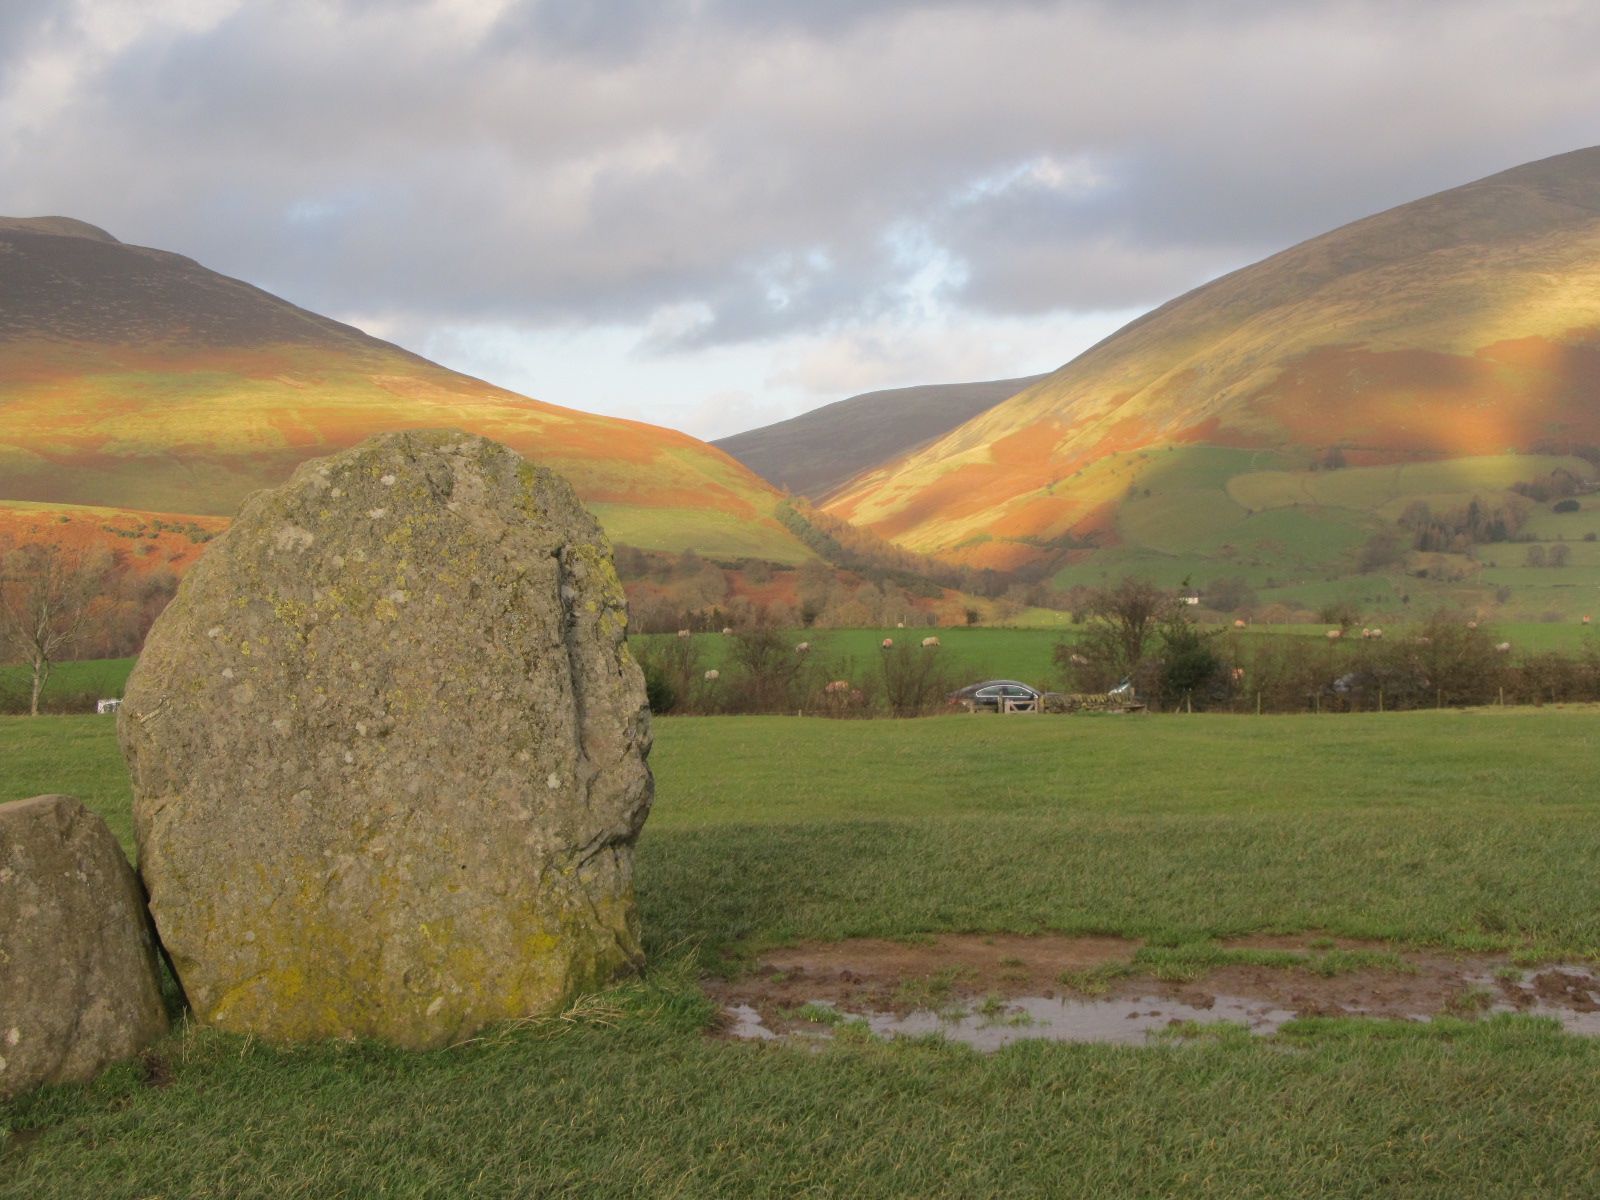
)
(388, 751)
(78, 980)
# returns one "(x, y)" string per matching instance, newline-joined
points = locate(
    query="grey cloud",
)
(597, 163)
(612, 30)
(23, 23)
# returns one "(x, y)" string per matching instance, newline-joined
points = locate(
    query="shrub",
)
(1190, 666)
(915, 679)
(770, 671)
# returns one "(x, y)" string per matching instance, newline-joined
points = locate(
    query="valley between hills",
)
(1398, 415)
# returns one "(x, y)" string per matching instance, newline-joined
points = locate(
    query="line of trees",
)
(1140, 632)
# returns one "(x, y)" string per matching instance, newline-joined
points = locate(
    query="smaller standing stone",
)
(79, 987)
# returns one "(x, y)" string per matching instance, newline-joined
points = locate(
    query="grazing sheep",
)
(1503, 647)
(1238, 622)
(726, 630)
(1335, 634)
(1366, 633)
(713, 675)
(899, 624)
(929, 641)
(888, 643)
(1377, 635)
(1079, 660)
(802, 648)
(683, 633)
(1472, 624)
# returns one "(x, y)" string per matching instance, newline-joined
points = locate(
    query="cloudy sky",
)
(712, 214)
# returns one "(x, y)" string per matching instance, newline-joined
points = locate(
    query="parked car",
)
(992, 694)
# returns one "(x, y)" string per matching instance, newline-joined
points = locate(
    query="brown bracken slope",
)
(1462, 326)
(136, 379)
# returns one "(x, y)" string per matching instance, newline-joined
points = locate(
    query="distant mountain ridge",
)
(820, 450)
(137, 379)
(1463, 327)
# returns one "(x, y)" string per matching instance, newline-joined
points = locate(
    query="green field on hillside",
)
(674, 530)
(1196, 514)
(1467, 830)
(1370, 489)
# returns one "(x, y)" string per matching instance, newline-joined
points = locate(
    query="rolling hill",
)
(1271, 423)
(818, 451)
(136, 380)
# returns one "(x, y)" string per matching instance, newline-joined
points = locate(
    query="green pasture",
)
(1465, 830)
(973, 653)
(1196, 513)
(1544, 522)
(1372, 488)
(720, 534)
(103, 678)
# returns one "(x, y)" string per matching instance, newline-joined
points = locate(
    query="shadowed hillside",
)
(1275, 421)
(818, 451)
(136, 379)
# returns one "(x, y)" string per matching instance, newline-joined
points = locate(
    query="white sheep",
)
(888, 643)
(1238, 622)
(929, 641)
(683, 633)
(713, 675)
(1503, 647)
(726, 630)
(802, 648)
(1366, 633)
(1377, 635)
(1335, 634)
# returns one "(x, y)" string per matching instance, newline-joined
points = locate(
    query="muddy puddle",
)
(991, 991)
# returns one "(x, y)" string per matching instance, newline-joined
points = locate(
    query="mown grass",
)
(1455, 829)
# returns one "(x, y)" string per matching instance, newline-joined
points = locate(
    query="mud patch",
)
(990, 991)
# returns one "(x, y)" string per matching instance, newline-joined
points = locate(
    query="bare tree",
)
(46, 596)
(1121, 624)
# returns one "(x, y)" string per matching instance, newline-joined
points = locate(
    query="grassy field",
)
(1466, 830)
(973, 653)
(1027, 654)
(102, 677)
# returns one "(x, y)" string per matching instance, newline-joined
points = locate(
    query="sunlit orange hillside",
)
(1445, 337)
(135, 379)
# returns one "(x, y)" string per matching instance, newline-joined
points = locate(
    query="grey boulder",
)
(79, 985)
(388, 750)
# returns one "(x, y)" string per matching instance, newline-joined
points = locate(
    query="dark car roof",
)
(973, 688)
